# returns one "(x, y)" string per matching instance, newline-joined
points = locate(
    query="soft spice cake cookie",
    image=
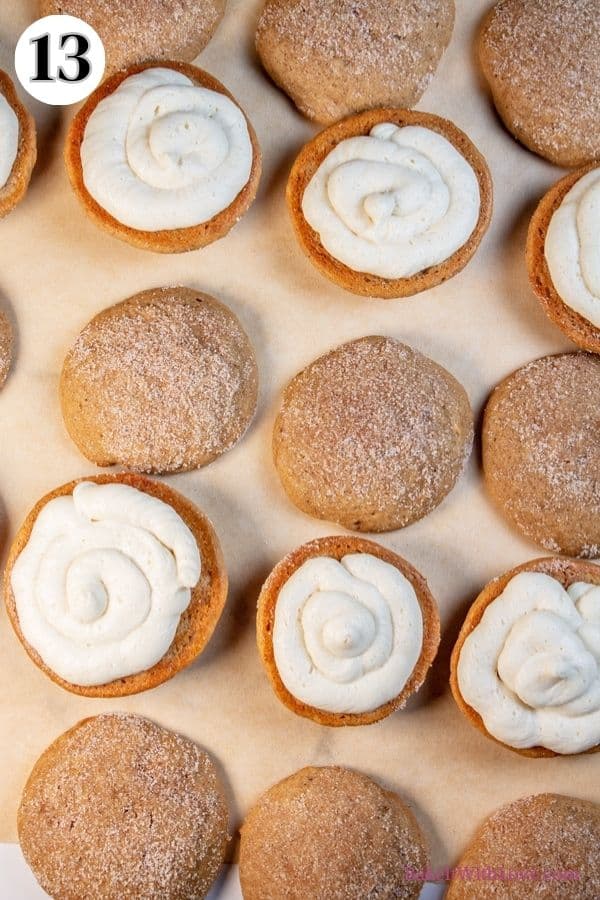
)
(563, 256)
(162, 156)
(113, 584)
(390, 202)
(372, 435)
(542, 846)
(119, 808)
(331, 833)
(162, 382)
(136, 30)
(525, 669)
(541, 452)
(542, 61)
(337, 57)
(6, 347)
(18, 148)
(346, 630)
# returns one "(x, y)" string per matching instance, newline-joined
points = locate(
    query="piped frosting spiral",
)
(347, 635)
(531, 667)
(102, 582)
(161, 152)
(394, 202)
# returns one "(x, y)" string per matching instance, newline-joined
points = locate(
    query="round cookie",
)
(338, 57)
(6, 347)
(545, 845)
(162, 382)
(580, 329)
(133, 160)
(555, 663)
(542, 61)
(541, 452)
(342, 630)
(73, 611)
(411, 217)
(136, 30)
(18, 148)
(372, 435)
(120, 808)
(331, 832)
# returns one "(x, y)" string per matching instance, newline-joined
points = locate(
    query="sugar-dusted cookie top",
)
(542, 61)
(337, 57)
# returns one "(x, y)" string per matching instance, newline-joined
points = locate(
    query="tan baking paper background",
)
(57, 270)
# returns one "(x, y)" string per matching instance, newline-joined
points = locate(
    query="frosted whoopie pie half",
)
(18, 147)
(390, 202)
(162, 156)
(525, 669)
(347, 630)
(563, 256)
(114, 583)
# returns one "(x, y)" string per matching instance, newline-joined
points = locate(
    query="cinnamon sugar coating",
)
(120, 808)
(164, 381)
(372, 435)
(542, 839)
(337, 57)
(541, 452)
(6, 347)
(136, 30)
(542, 61)
(330, 833)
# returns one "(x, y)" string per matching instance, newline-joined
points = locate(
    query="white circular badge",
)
(59, 60)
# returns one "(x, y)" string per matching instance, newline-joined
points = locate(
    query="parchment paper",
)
(57, 269)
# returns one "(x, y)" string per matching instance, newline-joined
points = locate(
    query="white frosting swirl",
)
(160, 152)
(9, 139)
(572, 248)
(394, 202)
(347, 635)
(531, 667)
(103, 580)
